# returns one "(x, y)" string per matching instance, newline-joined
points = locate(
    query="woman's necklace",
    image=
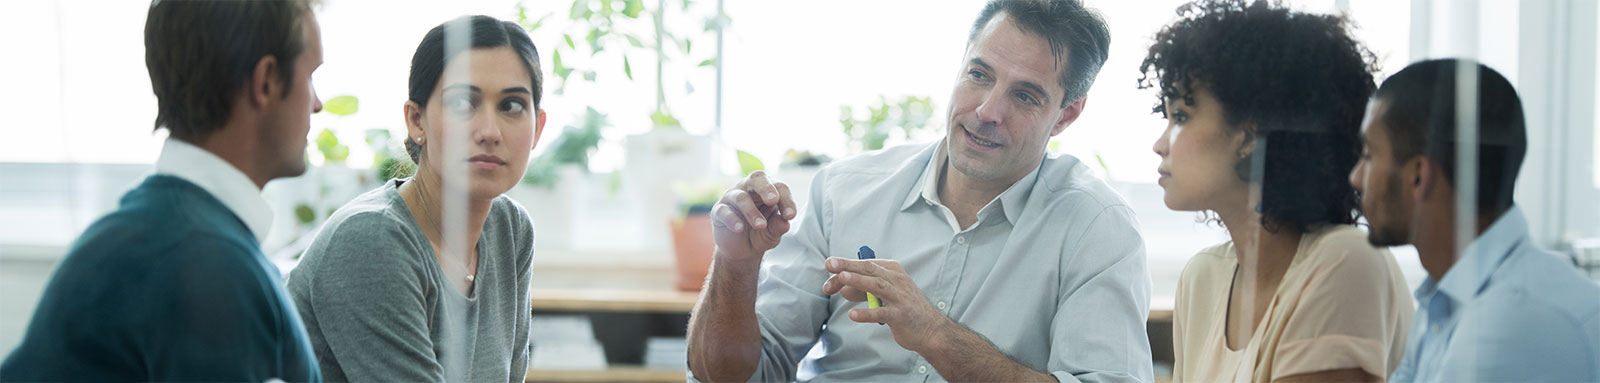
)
(428, 214)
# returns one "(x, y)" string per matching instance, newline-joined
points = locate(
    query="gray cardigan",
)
(377, 306)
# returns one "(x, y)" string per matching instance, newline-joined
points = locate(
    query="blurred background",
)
(655, 106)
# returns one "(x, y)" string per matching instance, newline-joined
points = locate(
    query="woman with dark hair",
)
(396, 286)
(1263, 107)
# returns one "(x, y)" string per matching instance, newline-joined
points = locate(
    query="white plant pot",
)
(656, 160)
(554, 210)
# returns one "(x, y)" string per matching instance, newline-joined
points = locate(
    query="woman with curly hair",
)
(1263, 107)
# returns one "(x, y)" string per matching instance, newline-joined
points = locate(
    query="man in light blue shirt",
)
(995, 261)
(1503, 309)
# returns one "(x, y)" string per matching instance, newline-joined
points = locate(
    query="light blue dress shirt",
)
(1053, 273)
(1507, 311)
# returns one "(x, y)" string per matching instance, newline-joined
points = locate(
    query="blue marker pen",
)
(864, 254)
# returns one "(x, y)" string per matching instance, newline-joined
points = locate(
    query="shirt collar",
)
(1010, 202)
(1481, 257)
(219, 178)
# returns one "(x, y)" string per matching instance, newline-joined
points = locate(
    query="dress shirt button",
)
(922, 370)
(942, 305)
(961, 239)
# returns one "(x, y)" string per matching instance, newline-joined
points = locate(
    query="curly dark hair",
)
(1295, 83)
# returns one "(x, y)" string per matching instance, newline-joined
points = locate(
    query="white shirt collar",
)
(219, 178)
(1009, 201)
(930, 178)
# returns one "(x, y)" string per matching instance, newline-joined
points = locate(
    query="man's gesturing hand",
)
(751, 217)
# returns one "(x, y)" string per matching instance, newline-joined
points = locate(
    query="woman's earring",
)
(419, 140)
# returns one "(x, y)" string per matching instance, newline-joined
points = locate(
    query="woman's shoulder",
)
(1339, 256)
(1212, 258)
(377, 223)
(506, 211)
(1333, 245)
(379, 212)
(1208, 268)
(508, 216)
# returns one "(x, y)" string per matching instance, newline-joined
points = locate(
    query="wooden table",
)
(613, 374)
(640, 283)
(609, 285)
(648, 289)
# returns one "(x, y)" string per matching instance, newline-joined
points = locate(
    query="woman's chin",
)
(1176, 203)
(486, 188)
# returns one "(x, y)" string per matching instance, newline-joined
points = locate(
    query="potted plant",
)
(692, 243)
(556, 182)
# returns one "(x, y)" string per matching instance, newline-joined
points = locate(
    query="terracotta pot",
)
(692, 244)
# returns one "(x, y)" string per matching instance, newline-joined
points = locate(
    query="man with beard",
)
(995, 262)
(1499, 309)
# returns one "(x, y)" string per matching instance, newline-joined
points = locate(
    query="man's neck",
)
(965, 196)
(237, 151)
(1436, 242)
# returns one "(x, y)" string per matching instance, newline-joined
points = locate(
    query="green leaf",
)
(593, 120)
(332, 151)
(589, 75)
(561, 70)
(614, 183)
(627, 68)
(536, 24)
(327, 140)
(632, 9)
(522, 18)
(338, 154)
(663, 120)
(719, 21)
(378, 139)
(594, 39)
(748, 163)
(305, 214)
(665, 35)
(580, 10)
(342, 106)
(688, 46)
(634, 41)
(708, 62)
(541, 172)
(569, 41)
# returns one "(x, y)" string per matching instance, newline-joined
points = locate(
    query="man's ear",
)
(1068, 115)
(1420, 174)
(265, 84)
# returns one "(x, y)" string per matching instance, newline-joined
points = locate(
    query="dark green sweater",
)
(172, 286)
